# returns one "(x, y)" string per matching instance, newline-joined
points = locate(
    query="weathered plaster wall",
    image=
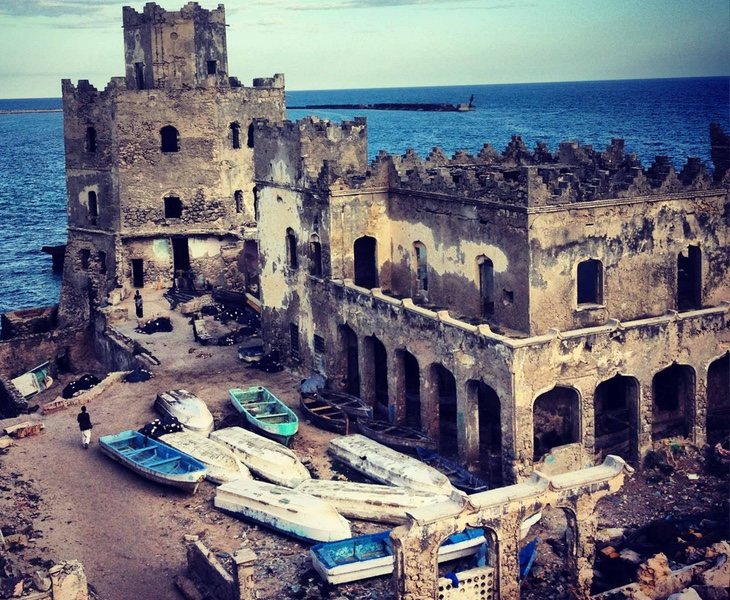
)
(638, 241)
(25, 352)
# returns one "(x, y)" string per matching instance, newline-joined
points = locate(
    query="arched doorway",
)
(366, 270)
(616, 418)
(489, 420)
(486, 286)
(718, 399)
(445, 385)
(411, 387)
(556, 420)
(378, 370)
(673, 392)
(350, 369)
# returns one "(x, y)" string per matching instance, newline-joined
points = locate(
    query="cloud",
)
(349, 4)
(55, 8)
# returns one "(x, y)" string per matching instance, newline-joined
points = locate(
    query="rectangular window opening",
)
(294, 340)
(212, 67)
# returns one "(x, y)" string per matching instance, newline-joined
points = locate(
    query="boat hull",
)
(187, 408)
(370, 501)
(265, 413)
(352, 406)
(387, 465)
(222, 465)
(403, 439)
(324, 415)
(266, 458)
(338, 562)
(153, 460)
(288, 511)
(459, 476)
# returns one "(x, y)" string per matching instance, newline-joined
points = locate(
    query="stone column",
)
(508, 565)
(429, 403)
(645, 410)
(467, 422)
(581, 537)
(697, 419)
(397, 387)
(245, 559)
(366, 366)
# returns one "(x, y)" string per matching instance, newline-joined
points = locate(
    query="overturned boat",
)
(222, 464)
(289, 511)
(372, 555)
(266, 458)
(387, 465)
(370, 501)
(187, 408)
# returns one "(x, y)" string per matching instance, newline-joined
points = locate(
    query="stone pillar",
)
(245, 559)
(429, 403)
(581, 537)
(397, 387)
(68, 581)
(467, 422)
(646, 404)
(697, 419)
(508, 564)
(587, 426)
(415, 572)
(366, 366)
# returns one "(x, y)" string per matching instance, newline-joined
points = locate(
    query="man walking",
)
(85, 426)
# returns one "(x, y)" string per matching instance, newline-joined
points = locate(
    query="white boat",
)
(268, 459)
(187, 408)
(221, 463)
(283, 509)
(387, 465)
(370, 501)
(372, 555)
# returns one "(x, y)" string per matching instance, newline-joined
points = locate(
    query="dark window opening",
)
(291, 249)
(139, 75)
(508, 297)
(490, 431)
(718, 399)
(181, 259)
(319, 344)
(251, 259)
(173, 207)
(169, 139)
(235, 135)
(85, 257)
(412, 385)
(249, 141)
(102, 262)
(90, 139)
(137, 272)
(689, 279)
(486, 286)
(366, 271)
(212, 67)
(590, 282)
(421, 266)
(315, 256)
(294, 341)
(93, 207)
(238, 198)
(674, 391)
(256, 203)
(556, 420)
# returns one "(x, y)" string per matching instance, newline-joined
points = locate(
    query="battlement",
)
(153, 13)
(277, 81)
(517, 176)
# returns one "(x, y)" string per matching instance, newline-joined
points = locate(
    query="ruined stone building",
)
(513, 305)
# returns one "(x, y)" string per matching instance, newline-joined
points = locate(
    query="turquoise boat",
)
(154, 460)
(265, 413)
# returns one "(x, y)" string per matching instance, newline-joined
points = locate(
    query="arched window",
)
(590, 282)
(315, 256)
(291, 249)
(421, 266)
(689, 279)
(238, 198)
(169, 139)
(93, 206)
(235, 135)
(90, 139)
(249, 141)
(486, 286)
(173, 207)
(366, 270)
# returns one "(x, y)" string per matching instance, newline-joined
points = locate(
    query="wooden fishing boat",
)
(266, 458)
(323, 414)
(372, 555)
(370, 501)
(265, 413)
(154, 460)
(353, 406)
(388, 466)
(187, 408)
(459, 476)
(289, 511)
(222, 464)
(399, 437)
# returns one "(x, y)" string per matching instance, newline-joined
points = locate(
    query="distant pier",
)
(411, 106)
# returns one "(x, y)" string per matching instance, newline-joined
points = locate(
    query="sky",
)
(340, 44)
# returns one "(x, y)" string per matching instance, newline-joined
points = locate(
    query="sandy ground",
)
(128, 531)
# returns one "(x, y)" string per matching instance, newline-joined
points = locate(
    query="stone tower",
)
(159, 164)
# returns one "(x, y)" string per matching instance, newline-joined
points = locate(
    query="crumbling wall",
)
(28, 321)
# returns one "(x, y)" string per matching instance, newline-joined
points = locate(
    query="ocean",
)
(655, 116)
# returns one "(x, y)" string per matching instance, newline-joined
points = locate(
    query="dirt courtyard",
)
(127, 531)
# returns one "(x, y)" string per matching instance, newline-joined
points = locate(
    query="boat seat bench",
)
(137, 451)
(271, 416)
(164, 461)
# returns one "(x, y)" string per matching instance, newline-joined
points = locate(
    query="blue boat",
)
(154, 460)
(372, 555)
(265, 413)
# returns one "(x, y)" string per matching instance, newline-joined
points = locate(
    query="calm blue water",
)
(662, 116)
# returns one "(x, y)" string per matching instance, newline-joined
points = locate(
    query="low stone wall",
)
(25, 352)
(208, 578)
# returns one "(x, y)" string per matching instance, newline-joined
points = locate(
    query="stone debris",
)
(24, 429)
